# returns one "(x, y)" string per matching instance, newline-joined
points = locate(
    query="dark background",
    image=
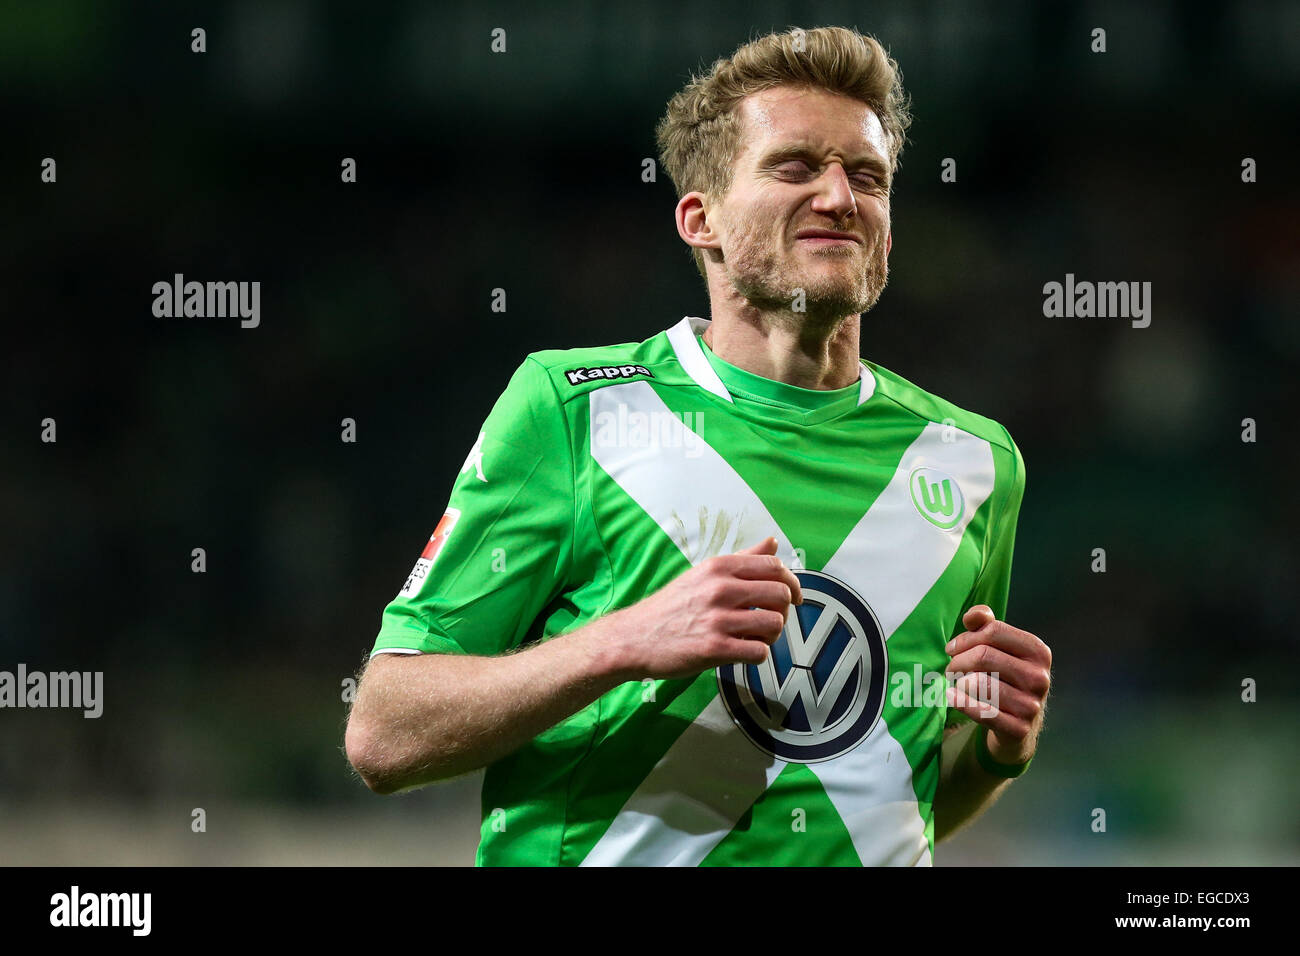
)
(522, 171)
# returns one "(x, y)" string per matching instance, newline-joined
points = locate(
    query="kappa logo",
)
(937, 497)
(577, 376)
(822, 688)
(475, 459)
(430, 552)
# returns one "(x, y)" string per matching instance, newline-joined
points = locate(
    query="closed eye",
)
(798, 169)
(794, 167)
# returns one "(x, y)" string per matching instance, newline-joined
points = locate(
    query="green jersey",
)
(600, 475)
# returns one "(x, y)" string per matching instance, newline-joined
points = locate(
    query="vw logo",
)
(822, 687)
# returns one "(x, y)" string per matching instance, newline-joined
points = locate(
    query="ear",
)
(889, 243)
(693, 222)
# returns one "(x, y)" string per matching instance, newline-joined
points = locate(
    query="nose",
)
(834, 194)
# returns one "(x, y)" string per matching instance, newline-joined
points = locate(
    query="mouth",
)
(826, 237)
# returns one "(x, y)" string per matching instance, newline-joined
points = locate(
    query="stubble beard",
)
(760, 271)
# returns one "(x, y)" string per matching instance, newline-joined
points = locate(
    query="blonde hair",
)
(699, 135)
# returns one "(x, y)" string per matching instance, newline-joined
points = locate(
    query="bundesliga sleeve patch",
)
(430, 552)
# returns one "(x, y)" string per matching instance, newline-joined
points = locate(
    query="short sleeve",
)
(993, 585)
(500, 552)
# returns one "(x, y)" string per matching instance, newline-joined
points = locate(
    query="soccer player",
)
(695, 600)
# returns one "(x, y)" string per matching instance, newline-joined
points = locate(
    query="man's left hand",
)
(1003, 677)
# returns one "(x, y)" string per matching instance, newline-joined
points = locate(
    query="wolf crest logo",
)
(822, 688)
(938, 497)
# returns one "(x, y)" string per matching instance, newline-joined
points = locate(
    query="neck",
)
(795, 348)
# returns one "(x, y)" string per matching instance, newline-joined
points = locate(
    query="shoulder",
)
(574, 372)
(928, 406)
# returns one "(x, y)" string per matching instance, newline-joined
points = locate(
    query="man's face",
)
(810, 162)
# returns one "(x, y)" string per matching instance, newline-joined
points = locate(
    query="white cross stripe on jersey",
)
(713, 773)
(892, 558)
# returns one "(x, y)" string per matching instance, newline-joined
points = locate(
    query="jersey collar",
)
(684, 338)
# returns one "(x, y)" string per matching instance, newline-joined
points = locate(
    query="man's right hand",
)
(727, 609)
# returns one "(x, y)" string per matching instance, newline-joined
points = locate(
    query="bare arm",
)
(965, 789)
(421, 718)
(425, 717)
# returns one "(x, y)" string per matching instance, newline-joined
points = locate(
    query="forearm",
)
(965, 788)
(436, 716)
